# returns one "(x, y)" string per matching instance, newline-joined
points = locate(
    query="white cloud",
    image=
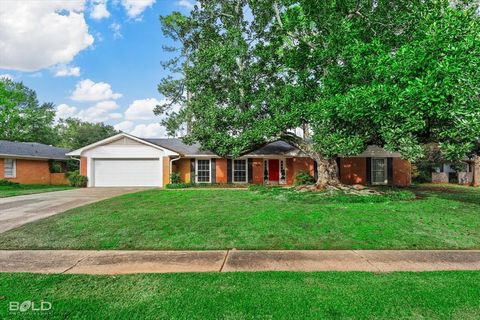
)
(6, 76)
(141, 109)
(116, 115)
(187, 4)
(99, 9)
(135, 8)
(65, 111)
(65, 71)
(87, 90)
(40, 34)
(152, 130)
(100, 112)
(125, 126)
(115, 27)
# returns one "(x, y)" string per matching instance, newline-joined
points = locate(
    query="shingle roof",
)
(177, 145)
(32, 150)
(277, 148)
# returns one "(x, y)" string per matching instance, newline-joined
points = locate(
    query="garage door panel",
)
(127, 172)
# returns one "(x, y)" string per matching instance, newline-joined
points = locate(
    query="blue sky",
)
(98, 60)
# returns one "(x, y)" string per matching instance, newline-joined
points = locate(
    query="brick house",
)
(30, 163)
(126, 160)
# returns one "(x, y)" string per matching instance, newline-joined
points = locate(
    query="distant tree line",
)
(23, 118)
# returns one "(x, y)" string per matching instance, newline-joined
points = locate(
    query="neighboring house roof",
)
(276, 148)
(177, 145)
(31, 150)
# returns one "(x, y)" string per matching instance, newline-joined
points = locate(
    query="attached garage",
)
(127, 172)
(124, 161)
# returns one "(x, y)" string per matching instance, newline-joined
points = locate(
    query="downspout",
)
(171, 164)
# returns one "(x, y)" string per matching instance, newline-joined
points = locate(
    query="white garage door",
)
(127, 173)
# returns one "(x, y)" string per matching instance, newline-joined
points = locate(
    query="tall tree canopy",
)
(22, 118)
(354, 72)
(75, 133)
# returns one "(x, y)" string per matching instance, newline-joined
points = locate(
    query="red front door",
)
(273, 170)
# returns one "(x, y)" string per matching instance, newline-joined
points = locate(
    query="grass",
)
(23, 189)
(441, 218)
(268, 295)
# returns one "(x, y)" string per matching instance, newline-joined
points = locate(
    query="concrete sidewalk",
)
(124, 262)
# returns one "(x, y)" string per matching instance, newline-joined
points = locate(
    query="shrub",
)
(179, 185)
(5, 182)
(77, 180)
(303, 178)
(175, 177)
(55, 167)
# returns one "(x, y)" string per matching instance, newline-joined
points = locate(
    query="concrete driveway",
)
(19, 210)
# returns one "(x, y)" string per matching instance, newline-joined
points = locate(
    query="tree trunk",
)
(327, 172)
(476, 171)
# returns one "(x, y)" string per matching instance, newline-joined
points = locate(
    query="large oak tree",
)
(351, 73)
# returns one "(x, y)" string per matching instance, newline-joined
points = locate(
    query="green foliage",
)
(5, 182)
(55, 167)
(179, 185)
(75, 133)
(22, 118)
(76, 179)
(394, 73)
(304, 178)
(175, 178)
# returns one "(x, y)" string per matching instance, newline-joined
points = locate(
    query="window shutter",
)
(250, 170)
(192, 171)
(229, 170)
(390, 171)
(213, 168)
(369, 171)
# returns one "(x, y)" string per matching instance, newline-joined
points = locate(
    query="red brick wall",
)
(58, 179)
(295, 165)
(31, 172)
(221, 170)
(257, 168)
(1, 168)
(353, 170)
(290, 173)
(166, 170)
(83, 166)
(402, 172)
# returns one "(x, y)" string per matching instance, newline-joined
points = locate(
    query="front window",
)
(240, 171)
(203, 171)
(9, 168)
(379, 171)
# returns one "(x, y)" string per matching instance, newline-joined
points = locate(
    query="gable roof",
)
(78, 152)
(177, 145)
(31, 150)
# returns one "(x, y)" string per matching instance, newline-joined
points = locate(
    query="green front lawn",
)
(441, 218)
(269, 295)
(22, 189)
